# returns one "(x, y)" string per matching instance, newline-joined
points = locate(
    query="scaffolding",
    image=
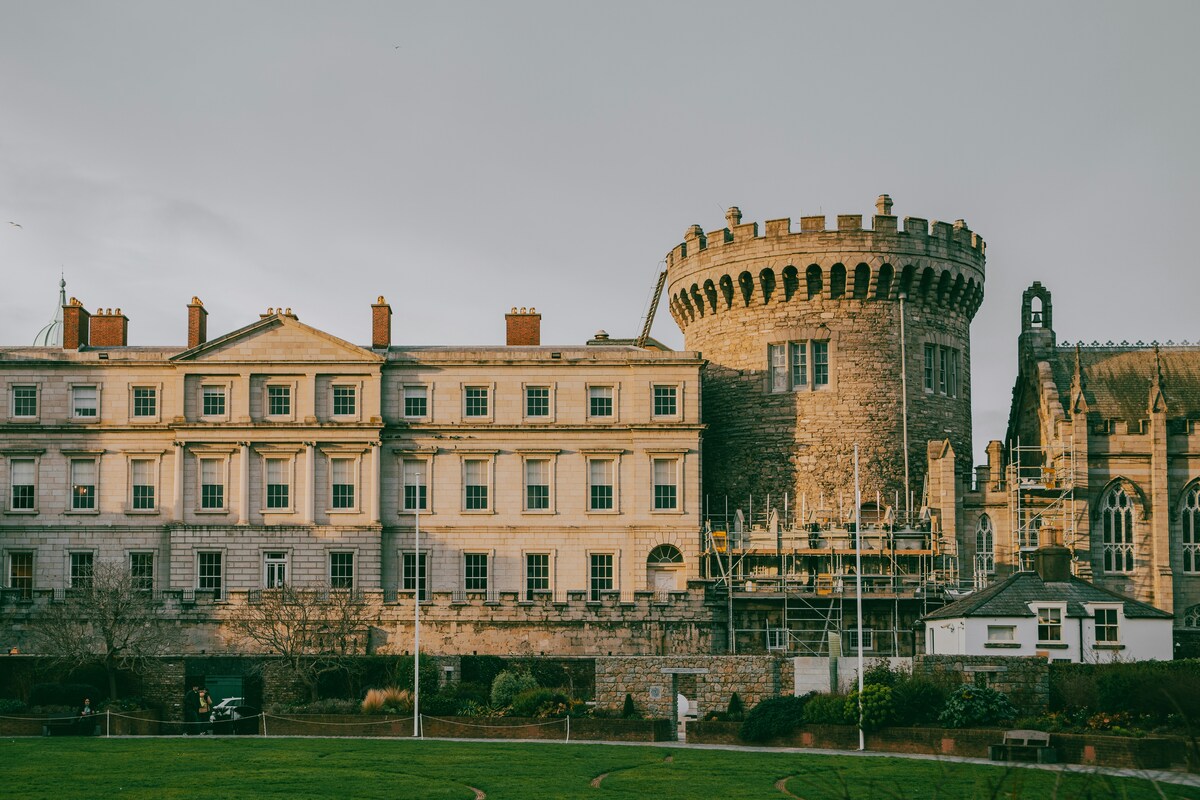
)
(1041, 497)
(788, 573)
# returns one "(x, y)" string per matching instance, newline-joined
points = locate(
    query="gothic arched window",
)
(1116, 516)
(985, 546)
(1191, 617)
(1189, 522)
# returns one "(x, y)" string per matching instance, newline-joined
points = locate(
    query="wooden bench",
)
(1031, 746)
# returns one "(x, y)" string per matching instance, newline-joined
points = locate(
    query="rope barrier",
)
(352, 724)
(519, 725)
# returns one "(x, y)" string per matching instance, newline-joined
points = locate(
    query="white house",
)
(1050, 613)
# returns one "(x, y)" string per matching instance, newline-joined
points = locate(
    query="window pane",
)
(208, 572)
(343, 482)
(537, 574)
(600, 401)
(81, 570)
(410, 577)
(212, 483)
(279, 401)
(278, 485)
(537, 401)
(214, 401)
(23, 480)
(601, 575)
(600, 477)
(777, 361)
(344, 401)
(142, 478)
(664, 401)
(83, 399)
(537, 484)
(665, 483)
(475, 484)
(415, 485)
(341, 570)
(820, 356)
(475, 572)
(20, 573)
(477, 401)
(799, 364)
(24, 401)
(141, 571)
(415, 401)
(83, 484)
(145, 401)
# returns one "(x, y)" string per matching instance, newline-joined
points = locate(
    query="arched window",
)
(1191, 617)
(1189, 522)
(665, 554)
(985, 546)
(1116, 518)
(813, 278)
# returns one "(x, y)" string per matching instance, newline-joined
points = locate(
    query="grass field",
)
(439, 770)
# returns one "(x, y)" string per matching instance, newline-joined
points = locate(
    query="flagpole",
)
(862, 742)
(417, 617)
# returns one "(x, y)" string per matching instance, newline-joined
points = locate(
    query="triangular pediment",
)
(276, 339)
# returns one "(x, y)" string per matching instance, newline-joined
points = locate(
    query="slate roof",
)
(1010, 598)
(1116, 380)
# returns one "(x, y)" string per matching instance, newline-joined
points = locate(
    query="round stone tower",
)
(822, 339)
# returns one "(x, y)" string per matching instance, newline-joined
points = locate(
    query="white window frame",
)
(549, 416)
(222, 457)
(614, 395)
(792, 366)
(11, 456)
(550, 458)
(288, 457)
(272, 561)
(153, 569)
(16, 386)
(402, 501)
(355, 459)
(593, 594)
(1048, 615)
(678, 412)
(421, 577)
(329, 576)
(1003, 634)
(26, 592)
(145, 419)
(293, 388)
(70, 569)
(852, 639)
(526, 591)
(226, 388)
(74, 415)
(154, 460)
(356, 386)
(1095, 610)
(603, 455)
(488, 562)
(404, 396)
(82, 456)
(678, 458)
(489, 390)
(222, 578)
(488, 459)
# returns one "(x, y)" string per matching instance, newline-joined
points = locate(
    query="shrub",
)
(736, 710)
(508, 685)
(881, 673)
(472, 709)
(389, 700)
(773, 717)
(877, 707)
(917, 701)
(826, 709)
(629, 710)
(976, 705)
(540, 702)
(11, 706)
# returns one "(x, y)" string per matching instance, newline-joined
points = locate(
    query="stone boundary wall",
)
(752, 677)
(1025, 679)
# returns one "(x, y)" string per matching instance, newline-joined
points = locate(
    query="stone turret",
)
(801, 331)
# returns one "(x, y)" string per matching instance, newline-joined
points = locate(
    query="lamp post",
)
(417, 617)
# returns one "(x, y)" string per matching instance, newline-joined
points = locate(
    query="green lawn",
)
(368, 768)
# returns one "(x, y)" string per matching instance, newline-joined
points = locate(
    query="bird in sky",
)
(15, 224)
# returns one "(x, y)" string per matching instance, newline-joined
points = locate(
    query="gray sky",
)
(462, 158)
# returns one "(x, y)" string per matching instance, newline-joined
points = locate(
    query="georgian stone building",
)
(557, 486)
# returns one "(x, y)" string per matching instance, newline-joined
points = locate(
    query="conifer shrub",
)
(773, 718)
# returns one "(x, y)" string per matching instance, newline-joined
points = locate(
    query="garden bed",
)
(1150, 752)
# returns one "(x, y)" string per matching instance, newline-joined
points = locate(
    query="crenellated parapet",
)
(938, 264)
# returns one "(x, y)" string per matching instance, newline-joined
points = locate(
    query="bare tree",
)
(314, 631)
(113, 621)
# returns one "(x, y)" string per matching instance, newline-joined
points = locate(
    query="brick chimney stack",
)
(381, 324)
(197, 323)
(76, 325)
(110, 328)
(524, 327)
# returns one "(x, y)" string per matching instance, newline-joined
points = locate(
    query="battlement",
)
(955, 238)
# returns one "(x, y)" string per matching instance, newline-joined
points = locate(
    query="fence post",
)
(568, 728)
(107, 723)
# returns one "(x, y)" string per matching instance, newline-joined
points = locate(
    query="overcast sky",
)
(463, 158)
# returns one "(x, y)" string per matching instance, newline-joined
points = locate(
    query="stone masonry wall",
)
(734, 293)
(1025, 679)
(752, 677)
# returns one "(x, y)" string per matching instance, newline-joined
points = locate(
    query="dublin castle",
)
(613, 496)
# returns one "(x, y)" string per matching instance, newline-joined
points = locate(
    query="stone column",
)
(244, 484)
(310, 482)
(375, 486)
(177, 488)
(1159, 512)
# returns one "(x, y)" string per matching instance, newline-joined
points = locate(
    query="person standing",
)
(204, 711)
(191, 709)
